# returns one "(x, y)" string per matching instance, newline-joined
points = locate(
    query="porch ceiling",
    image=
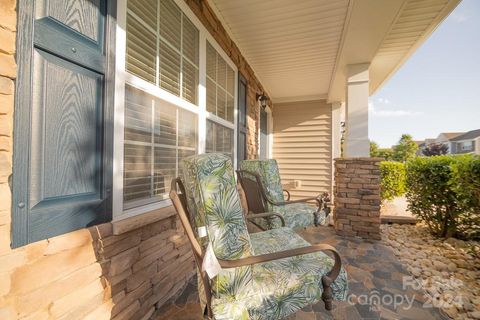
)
(291, 45)
(300, 49)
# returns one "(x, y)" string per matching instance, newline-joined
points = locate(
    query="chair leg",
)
(327, 295)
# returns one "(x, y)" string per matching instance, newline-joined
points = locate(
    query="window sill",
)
(138, 221)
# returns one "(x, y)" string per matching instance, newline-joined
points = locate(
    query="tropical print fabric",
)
(213, 201)
(270, 290)
(268, 171)
(283, 286)
(300, 215)
(296, 215)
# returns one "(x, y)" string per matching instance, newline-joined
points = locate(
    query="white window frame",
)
(122, 78)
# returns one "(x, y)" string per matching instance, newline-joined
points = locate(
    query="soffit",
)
(291, 45)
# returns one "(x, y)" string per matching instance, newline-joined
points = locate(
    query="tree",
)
(385, 153)
(435, 149)
(373, 149)
(406, 149)
(377, 152)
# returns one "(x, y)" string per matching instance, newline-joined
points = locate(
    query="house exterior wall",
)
(302, 145)
(119, 270)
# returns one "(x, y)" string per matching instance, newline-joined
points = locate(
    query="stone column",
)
(357, 143)
(357, 197)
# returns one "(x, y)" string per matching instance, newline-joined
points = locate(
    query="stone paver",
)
(379, 286)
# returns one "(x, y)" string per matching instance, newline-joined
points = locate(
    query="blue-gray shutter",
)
(62, 172)
(242, 119)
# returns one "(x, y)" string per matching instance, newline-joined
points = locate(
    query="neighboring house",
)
(445, 139)
(468, 142)
(100, 101)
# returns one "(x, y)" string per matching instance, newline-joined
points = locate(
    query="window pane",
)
(190, 82)
(211, 97)
(163, 35)
(138, 116)
(170, 22)
(211, 62)
(165, 170)
(221, 102)
(230, 81)
(137, 172)
(190, 41)
(219, 139)
(169, 69)
(221, 72)
(145, 10)
(187, 129)
(141, 50)
(220, 85)
(230, 108)
(151, 156)
(165, 124)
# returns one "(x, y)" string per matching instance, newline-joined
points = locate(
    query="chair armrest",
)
(288, 194)
(266, 215)
(333, 274)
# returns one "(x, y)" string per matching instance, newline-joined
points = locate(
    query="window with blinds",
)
(160, 29)
(157, 136)
(220, 85)
(219, 139)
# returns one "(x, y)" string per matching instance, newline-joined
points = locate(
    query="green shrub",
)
(393, 179)
(444, 191)
(466, 184)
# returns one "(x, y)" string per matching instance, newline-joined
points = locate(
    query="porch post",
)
(357, 143)
(338, 116)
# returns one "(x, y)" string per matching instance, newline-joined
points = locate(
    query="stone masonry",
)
(116, 271)
(357, 197)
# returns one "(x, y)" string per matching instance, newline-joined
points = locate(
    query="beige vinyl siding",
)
(302, 145)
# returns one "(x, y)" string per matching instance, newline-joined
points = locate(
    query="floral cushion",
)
(296, 215)
(284, 286)
(268, 171)
(214, 203)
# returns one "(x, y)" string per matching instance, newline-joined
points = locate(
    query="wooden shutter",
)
(242, 119)
(63, 117)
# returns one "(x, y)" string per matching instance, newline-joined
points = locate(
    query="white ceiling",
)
(300, 49)
(291, 45)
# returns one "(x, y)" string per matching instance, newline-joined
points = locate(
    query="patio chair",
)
(265, 275)
(261, 182)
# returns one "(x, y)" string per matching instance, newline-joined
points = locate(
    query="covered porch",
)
(102, 100)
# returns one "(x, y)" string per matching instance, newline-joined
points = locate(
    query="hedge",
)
(392, 179)
(443, 191)
(466, 184)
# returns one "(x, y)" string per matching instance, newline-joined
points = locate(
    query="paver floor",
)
(379, 286)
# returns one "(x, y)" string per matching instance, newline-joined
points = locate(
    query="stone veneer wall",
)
(120, 270)
(206, 15)
(357, 197)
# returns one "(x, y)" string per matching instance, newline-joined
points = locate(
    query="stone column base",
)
(357, 197)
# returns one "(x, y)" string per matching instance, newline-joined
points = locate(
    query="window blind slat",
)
(211, 62)
(141, 50)
(211, 96)
(221, 72)
(190, 41)
(145, 9)
(221, 102)
(170, 22)
(190, 82)
(169, 69)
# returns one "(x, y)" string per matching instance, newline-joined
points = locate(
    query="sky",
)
(438, 88)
